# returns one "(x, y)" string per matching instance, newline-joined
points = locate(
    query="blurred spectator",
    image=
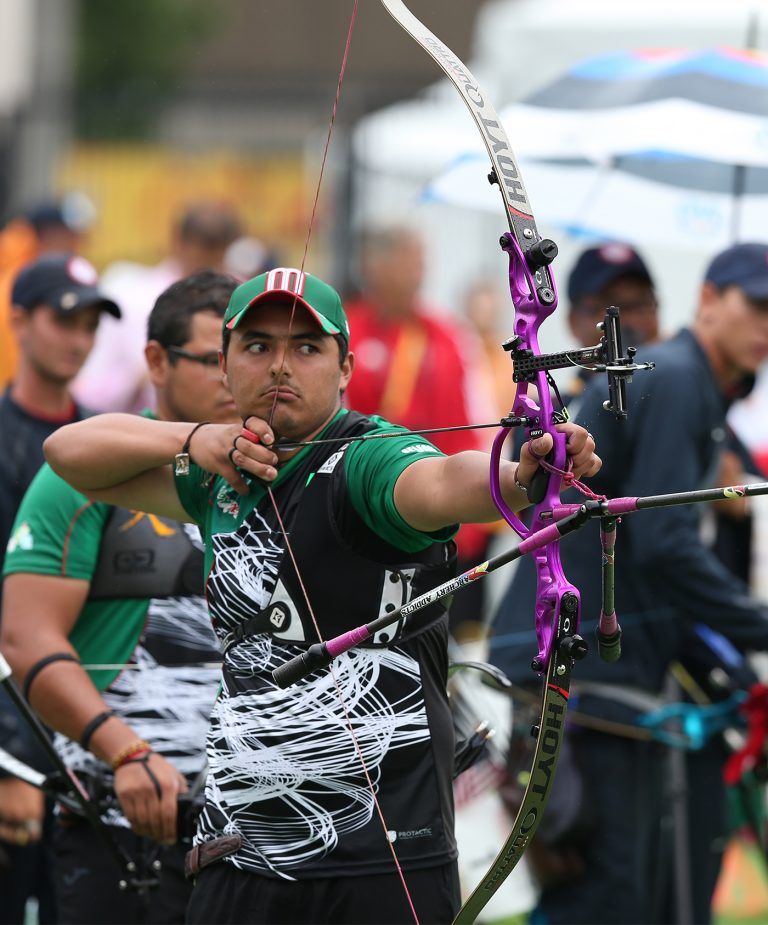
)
(610, 274)
(413, 366)
(56, 311)
(613, 860)
(58, 226)
(115, 377)
(616, 274)
(55, 314)
(247, 257)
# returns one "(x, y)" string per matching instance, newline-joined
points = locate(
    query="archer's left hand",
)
(580, 448)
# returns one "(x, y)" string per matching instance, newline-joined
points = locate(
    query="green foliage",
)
(130, 57)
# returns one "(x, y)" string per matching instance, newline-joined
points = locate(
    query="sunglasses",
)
(210, 361)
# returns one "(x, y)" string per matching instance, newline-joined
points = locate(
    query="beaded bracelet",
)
(136, 749)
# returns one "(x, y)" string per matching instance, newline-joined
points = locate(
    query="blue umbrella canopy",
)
(732, 79)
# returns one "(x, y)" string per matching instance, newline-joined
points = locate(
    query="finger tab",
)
(250, 435)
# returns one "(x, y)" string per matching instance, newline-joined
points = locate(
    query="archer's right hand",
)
(229, 450)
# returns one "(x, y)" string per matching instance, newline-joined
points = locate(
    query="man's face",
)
(191, 388)
(636, 301)
(736, 328)
(395, 275)
(56, 344)
(285, 372)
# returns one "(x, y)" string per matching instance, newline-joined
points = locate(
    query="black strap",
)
(259, 623)
(183, 459)
(144, 761)
(188, 441)
(35, 670)
(92, 726)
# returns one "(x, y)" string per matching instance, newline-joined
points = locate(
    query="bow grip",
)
(539, 484)
(537, 490)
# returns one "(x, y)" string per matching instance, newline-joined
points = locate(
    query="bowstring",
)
(270, 493)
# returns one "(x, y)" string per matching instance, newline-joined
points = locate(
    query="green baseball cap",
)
(288, 284)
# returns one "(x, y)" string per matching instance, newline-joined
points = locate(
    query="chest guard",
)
(351, 575)
(145, 556)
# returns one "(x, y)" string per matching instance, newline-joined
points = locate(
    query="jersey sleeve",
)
(57, 530)
(372, 468)
(194, 492)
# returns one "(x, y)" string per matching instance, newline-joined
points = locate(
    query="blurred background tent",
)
(519, 48)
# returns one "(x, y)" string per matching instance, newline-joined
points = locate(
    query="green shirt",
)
(58, 532)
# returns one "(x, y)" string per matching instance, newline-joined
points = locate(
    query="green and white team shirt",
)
(144, 634)
(283, 772)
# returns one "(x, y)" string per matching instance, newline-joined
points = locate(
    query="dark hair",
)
(170, 319)
(342, 344)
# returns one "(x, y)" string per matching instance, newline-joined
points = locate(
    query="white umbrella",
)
(604, 202)
(667, 147)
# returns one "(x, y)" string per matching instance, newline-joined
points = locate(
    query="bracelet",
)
(92, 726)
(136, 749)
(46, 660)
(522, 488)
(183, 459)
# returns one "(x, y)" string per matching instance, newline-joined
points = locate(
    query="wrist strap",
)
(183, 459)
(137, 749)
(35, 670)
(143, 760)
(92, 726)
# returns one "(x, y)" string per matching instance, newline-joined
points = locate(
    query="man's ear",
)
(709, 302)
(158, 364)
(346, 371)
(223, 368)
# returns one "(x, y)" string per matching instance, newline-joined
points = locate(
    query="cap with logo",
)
(286, 284)
(743, 265)
(66, 282)
(597, 267)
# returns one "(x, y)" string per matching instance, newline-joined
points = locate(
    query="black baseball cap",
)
(599, 266)
(66, 282)
(743, 265)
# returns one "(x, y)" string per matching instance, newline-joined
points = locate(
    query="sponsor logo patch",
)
(420, 448)
(21, 538)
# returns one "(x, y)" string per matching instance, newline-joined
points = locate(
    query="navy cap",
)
(74, 211)
(65, 282)
(599, 266)
(743, 265)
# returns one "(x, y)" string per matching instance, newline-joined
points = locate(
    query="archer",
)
(303, 543)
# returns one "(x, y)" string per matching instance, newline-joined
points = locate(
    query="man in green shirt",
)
(117, 653)
(305, 539)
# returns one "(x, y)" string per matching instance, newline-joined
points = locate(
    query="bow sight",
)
(605, 357)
